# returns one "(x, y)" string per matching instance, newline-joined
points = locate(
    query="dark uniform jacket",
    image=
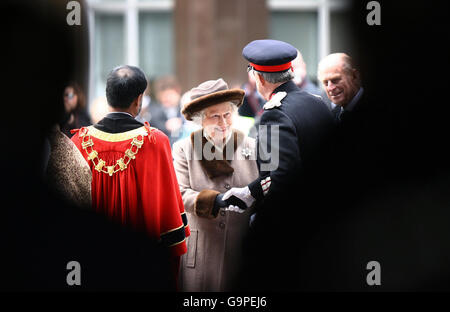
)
(289, 195)
(293, 134)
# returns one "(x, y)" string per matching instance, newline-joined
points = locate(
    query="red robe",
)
(137, 188)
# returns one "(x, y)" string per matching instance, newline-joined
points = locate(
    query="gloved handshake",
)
(236, 199)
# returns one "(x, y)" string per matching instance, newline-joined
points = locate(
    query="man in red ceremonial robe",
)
(133, 179)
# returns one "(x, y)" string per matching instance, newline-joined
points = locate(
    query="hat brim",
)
(236, 96)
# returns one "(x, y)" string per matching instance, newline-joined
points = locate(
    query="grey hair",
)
(348, 64)
(277, 77)
(198, 117)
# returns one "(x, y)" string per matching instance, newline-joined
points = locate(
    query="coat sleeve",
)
(182, 171)
(278, 154)
(200, 203)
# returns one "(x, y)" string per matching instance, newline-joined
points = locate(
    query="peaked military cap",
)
(269, 55)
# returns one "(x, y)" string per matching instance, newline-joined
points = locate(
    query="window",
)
(135, 32)
(140, 32)
(300, 30)
(156, 55)
(109, 47)
(315, 27)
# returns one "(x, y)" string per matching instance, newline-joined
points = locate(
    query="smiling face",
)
(218, 121)
(340, 82)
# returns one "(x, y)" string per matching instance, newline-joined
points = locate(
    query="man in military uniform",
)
(293, 153)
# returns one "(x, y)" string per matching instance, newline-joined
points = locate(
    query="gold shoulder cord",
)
(99, 164)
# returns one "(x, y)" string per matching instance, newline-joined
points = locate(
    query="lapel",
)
(336, 113)
(359, 112)
(217, 167)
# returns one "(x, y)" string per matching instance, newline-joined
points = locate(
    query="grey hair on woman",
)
(198, 117)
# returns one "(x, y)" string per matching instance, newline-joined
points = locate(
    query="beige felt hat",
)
(209, 93)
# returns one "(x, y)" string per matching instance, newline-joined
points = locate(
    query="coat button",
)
(222, 212)
(221, 225)
(227, 186)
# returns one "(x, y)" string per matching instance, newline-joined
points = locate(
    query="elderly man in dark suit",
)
(362, 128)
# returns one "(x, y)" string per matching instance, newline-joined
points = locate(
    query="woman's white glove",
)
(240, 197)
(234, 208)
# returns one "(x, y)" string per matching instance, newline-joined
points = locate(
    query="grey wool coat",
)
(215, 244)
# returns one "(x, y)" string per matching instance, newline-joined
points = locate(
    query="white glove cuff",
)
(247, 196)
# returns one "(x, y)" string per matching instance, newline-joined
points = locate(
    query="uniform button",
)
(221, 225)
(222, 212)
(227, 186)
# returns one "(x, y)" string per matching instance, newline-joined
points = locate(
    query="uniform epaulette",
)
(317, 96)
(275, 101)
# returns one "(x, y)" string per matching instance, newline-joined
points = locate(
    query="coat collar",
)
(287, 87)
(118, 115)
(216, 167)
(361, 108)
(117, 123)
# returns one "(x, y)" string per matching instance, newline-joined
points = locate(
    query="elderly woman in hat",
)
(209, 162)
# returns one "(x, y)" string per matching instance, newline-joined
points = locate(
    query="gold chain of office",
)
(99, 164)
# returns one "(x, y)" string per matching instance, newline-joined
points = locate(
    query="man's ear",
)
(260, 79)
(355, 74)
(138, 100)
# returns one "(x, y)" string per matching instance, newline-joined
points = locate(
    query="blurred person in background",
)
(189, 126)
(303, 82)
(253, 101)
(251, 109)
(75, 115)
(165, 113)
(145, 114)
(98, 109)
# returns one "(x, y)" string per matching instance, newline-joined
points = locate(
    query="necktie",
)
(337, 111)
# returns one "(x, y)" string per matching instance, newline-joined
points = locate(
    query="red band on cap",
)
(271, 68)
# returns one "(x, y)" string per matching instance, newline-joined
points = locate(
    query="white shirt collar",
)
(121, 113)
